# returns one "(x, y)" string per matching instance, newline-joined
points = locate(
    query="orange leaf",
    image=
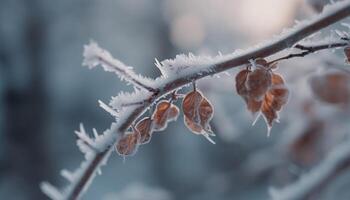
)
(190, 105)
(165, 112)
(274, 99)
(258, 82)
(144, 127)
(198, 112)
(331, 87)
(206, 114)
(128, 144)
(241, 78)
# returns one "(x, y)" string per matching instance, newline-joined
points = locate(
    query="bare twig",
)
(306, 50)
(286, 41)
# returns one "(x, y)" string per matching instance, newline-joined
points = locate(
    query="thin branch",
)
(338, 12)
(306, 50)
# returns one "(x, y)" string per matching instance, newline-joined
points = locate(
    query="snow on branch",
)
(176, 74)
(310, 184)
(95, 55)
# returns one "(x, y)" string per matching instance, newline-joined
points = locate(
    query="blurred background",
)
(45, 94)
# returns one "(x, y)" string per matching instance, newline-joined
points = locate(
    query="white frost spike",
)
(123, 98)
(108, 109)
(95, 133)
(160, 67)
(95, 55)
(51, 191)
(207, 136)
(68, 175)
(83, 136)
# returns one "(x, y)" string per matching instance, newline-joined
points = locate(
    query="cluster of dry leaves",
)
(263, 90)
(197, 114)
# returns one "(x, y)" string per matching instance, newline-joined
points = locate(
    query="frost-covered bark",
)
(176, 73)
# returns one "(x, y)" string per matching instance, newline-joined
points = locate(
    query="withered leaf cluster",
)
(262, 90)
(141, 134)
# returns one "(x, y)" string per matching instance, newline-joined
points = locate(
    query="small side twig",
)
(309, 50)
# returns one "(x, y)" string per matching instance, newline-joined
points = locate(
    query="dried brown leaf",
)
(241, 78)
(144, 127)
(274, 99)
(206, 114)
(164, 113)
(195, 128)
(197, 114)
(258, 82)
(190, 105)
(173, 112)
(128, 144)
(268, 111)
(253, 105)
(331, 87)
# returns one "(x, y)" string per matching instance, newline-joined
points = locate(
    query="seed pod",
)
(331, 87)
(144, 127)
(347, 54)
(128, 144)
(258, 82)
(164, 113)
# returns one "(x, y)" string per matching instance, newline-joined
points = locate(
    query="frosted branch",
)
(176, 74)
(95, 55)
